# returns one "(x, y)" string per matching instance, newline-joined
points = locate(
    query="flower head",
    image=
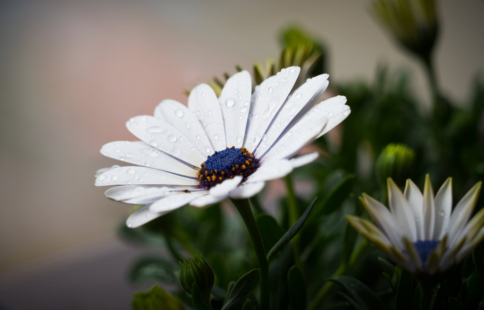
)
(396, 162)
(219, 147)
(421, 232)
(197, 270)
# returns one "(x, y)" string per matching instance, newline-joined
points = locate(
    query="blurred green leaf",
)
(269, 230)
(359, 292)
(241, 289)
(156, 299)
(153, 268)
(278, 271)
(334, 199)
(291, 232)
(297, 289)
(354, 304)
(403, 298)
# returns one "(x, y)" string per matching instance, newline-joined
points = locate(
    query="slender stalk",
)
(427, 296)
(293, 217)
(343, 268)
(245, 210)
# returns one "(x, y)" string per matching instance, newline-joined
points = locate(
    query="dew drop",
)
(179, 113)
(207, 149)
(215, 137)
(269, 89)
(292, 70)
(187, 125)
(283, 79)
(154, 129)
(114, 177)
(154, 143)
(229, 102)
(130, 171)
(171, 138)
(131, 155)
(298, 96)
(239, 139)
(243, 110)
(102, 178)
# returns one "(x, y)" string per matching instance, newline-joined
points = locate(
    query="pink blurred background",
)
(73, 72)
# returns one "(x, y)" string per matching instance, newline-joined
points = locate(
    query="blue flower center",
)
(225, 165)
(424, 248)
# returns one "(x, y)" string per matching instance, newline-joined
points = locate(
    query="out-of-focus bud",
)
(395, 161)
(413, 23)
(197, 271)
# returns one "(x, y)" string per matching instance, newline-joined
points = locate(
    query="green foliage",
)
(241, 289)
(156, 299)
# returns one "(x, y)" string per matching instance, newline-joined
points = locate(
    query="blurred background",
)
(73, 72)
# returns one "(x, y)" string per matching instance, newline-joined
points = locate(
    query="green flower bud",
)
(395, 161)
(413, 23)
(197, 271)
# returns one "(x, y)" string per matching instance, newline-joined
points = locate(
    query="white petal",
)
(271, 170)
(141, 175)
(207, 200)
(174, 201)
(303, 159)
(429, 209)
(462, 212)
(302, 133)
(235, 104)
(203, 102)
(401, 212)
(247, 190)
(142, 154)
(182, 119)
(469, 246)
(296, 105)
(142, 216)
(415, 200)
(443, 209)
(142, 195)
(224, 188)
(101, 171)
(161, 135)
(336, 112)
(384, 219)
(267, 100)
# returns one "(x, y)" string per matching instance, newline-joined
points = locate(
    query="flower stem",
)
(245, 210)
(427, 296)
(293, 217)
(343, 268)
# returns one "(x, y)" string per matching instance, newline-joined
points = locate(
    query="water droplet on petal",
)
(298, 96)
(207, 149)
(243, 110)
(179, 113)
(171, 138)
(187, 125)
(114, 177)
(154, 143)
(269, 89)
(215, 137)
(102, 178)
(229, 102)
(239, 139)
(154, 129)
(292, 70)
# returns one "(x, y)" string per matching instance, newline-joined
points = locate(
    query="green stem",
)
(173, 250)
(343, 268)
(294, 215)
(427, 296)
(245, 210)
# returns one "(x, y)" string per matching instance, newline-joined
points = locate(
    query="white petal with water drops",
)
(415, 200)
(267, 100)
(401, 212)
(143, 194)
(161, 135)
(224, 188)
(174, 202)
(298, 103)
(335, 110)
(235, 104)
(247, 190)
(303, 159)
(142, 154)
(207, 200)
(142, 216)
(181, 118)
(205, 106)
(141, 175)
(443, 208)
(270, 171)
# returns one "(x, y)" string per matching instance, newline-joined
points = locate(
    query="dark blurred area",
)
(73, 72)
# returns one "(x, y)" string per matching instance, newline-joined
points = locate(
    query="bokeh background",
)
(73, 72)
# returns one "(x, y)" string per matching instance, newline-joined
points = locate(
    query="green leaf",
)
(241, 289)
(334, 199)
(248, 305)
(291, 232)
(156, 299)
(353, 303)
(153, 268)
(297, 289)
(359, 292)
(278, 270)
(349, 240)
(403, 298)
(197, 298)
(269, 230)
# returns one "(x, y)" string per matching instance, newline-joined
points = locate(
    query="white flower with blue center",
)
(421, 232)
(219, 147)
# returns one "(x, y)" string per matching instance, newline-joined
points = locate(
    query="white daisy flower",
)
(219, 147)
(421, 232)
